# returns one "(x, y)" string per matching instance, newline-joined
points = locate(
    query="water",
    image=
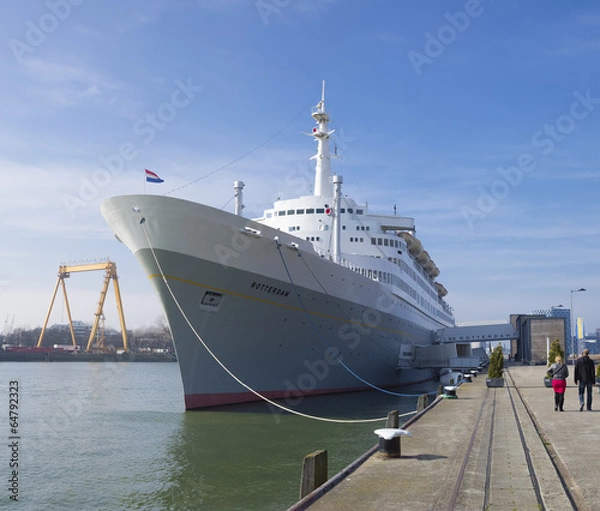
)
(102, 436)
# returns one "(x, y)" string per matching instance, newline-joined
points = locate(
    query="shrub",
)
(496, 363)
(555, 350)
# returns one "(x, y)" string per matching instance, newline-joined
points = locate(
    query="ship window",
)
(379, 241)
(308, 238)
(358, 227)
(291, 229)
(386, 242)
(361, 240)
(368, 228)
(310, 211)
(269, 215)
(290, 212)
(350, 210)
(343, 227)
(281, 213)
(297, 227)
(320, 210)
(373, 241)
(359, 211)
(351, 239)
(362, 227)
(342, 210)
(318, 239)
(299, 211)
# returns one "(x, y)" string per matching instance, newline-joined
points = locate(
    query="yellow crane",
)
(64, 272)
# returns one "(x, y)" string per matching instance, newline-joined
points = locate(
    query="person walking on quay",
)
(559, 373)
(585, 377)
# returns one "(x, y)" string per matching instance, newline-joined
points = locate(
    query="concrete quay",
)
(492, 449)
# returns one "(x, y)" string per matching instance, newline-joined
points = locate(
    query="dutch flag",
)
(152, 177)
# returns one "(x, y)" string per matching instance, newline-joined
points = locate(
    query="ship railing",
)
(351, 266)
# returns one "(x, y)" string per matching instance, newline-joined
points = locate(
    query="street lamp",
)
(573, 334)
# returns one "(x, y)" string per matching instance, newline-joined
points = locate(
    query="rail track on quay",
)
(509, 463)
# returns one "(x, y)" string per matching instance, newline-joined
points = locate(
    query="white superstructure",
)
(376, 246)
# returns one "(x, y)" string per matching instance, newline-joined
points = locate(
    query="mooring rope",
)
(224, 367)
(319, 335)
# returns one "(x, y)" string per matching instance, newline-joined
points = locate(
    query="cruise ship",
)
(317, 296)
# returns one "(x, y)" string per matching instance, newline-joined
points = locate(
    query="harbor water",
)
(103, 436)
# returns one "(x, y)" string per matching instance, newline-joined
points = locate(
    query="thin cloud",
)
(61, 84)
(573, 46)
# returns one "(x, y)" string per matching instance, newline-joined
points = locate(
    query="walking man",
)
(585, 377)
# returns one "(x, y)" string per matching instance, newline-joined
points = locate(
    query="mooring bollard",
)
(389, 441)
(392, 419)
(314, 472)
(450, 392)
(422, 402)
(468, 377)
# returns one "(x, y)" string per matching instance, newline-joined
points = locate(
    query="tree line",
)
(157, 336)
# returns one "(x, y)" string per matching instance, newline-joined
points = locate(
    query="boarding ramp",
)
(452, 347)
(476, 333)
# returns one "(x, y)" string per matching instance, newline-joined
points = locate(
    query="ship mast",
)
(321, 134)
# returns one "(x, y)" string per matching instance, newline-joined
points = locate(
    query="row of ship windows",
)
(386, 242)
(316, 238)
(323, 227)
(311, 211)
(413, 274)
(389, 278)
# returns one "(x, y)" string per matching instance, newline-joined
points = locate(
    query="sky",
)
(480, 119)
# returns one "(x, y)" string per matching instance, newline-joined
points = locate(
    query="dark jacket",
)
(584, 370)
(559, 371)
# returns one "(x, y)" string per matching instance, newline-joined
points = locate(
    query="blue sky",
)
(479, 119)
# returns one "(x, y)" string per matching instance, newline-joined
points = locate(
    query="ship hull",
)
(250, 304)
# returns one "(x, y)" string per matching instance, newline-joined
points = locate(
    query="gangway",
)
(477, 333)
(452, 346)
(64, 272)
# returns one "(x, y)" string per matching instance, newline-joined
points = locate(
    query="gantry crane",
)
(64, 272)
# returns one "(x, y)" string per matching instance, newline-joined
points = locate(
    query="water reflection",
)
(246, 457)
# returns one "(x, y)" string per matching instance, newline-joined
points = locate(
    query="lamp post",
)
(573, 331)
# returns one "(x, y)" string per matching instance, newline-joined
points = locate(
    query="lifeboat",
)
(423, 258)
(435, 272)
(413, 244)
(407, 237)
(442, 291)
(429, 266)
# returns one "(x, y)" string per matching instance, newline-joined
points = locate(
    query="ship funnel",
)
(238, 187)
(337, 233)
